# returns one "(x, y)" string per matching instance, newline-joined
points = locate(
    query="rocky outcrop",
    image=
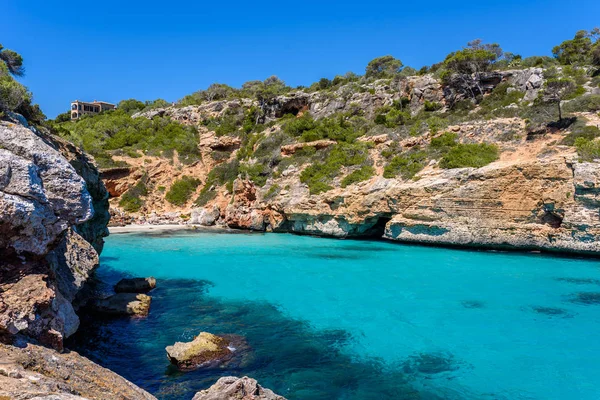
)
(51, 229)
(28, 371)
(232, 388)
(41, 194)
(135, 285)
(123, 304)
(208, 351)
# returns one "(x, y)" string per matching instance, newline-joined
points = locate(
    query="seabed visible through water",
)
(347, 319)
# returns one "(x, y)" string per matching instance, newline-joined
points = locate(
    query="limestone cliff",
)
(52, 228)
(537, 195)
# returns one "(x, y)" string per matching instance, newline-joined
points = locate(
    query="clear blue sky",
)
(111, 51)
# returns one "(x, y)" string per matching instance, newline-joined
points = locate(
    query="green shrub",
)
(405, 165)
(206, 195)
(588, 150)
(257, 173)
(444, 142)
(273, 191)
(116, 130)
(587, 103)
(581, 131)
(493, 104)
(337, 127)
(319, 175)
(181, 190)
(131, 200)
(222, 174)
(362, 174)
(432, 106)
(469, 155)
(12, 93)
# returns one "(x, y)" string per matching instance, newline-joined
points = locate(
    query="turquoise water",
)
(342, 319)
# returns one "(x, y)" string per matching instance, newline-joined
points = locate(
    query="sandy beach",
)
(133, 228)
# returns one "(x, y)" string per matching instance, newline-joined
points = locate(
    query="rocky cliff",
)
(536, 195)
(51, 227)
(53, 216)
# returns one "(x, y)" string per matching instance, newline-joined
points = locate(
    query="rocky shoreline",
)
(53, 218)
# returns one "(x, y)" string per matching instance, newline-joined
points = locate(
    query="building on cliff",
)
(80, 108)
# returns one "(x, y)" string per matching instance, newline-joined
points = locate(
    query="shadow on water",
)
(289, 356)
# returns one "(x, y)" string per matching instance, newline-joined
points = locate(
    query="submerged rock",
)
(233, 388)
(135, 285)
(208, 351)
(124, 304)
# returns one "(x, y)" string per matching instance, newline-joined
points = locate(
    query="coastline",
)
(137, 228)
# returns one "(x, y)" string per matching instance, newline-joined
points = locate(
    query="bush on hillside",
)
(131, 200)
(588, 150)
(362, 174)
(181, 190)
(405, 165)
(319, 175)
(473, 155)
(116, 130)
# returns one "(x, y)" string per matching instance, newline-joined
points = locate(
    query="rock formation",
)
(135, 285)
(123, 304)
(208, 351)
(51, 228)
(29, 371)
(538, 195)
(232, 388)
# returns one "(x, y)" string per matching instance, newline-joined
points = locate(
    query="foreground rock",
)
(37, 372)
(123, 304)
(208, 351)
(233, 388)
(51, 229)
(135, 285)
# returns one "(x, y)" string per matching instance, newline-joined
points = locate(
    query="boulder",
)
(205, 216)
(233, 388)
(124, 304)
(135, 285)
(208, 351)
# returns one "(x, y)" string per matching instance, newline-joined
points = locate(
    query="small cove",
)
(346, 319)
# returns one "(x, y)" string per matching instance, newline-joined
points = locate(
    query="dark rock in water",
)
(123, 304)
(233, 388)
(429, 364)
(551, 311)
(473, 304)
(580, 281)
(135, 285)
(586, 298)
(209, 351)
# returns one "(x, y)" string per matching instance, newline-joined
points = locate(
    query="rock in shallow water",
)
(135, 285)
(124, 304)
(233, 388)
(208, 351)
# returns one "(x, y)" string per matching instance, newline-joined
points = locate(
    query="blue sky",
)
(146, 50)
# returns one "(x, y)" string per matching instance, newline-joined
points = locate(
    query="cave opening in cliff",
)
(378, 228)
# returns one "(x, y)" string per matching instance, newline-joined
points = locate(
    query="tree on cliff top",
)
(383, 67)
(579, 50)
(463, 68)
(556, 90)
(12, 60)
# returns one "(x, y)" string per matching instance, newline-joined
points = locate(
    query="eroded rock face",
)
(50, 234)
(41, 194)
(30, 371)
(233, 388)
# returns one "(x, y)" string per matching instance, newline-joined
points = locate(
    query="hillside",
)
(483, 149)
